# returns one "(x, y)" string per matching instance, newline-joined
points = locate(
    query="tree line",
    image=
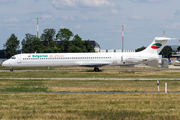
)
(49, 42)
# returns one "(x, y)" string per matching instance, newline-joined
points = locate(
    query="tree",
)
(48, 35)
(60, 48)
(55, 50)
(52, 44)
(166, 52)
(89, 47)
(178, 48)
(27, 43)
(77, 41)
(74, 49)
(140, 49)
(11, 46)
(47, 50)
(67, 46)
(64, 34)
(37, 45)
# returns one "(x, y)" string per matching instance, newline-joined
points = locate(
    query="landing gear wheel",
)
(11, 69)
(96, 69)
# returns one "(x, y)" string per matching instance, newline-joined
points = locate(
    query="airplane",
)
(95, 60)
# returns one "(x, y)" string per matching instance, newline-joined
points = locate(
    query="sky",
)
(99, 20)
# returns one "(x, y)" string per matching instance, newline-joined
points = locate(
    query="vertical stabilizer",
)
(157, 45)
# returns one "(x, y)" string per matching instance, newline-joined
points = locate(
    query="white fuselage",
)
(88, 59)
(77, 59)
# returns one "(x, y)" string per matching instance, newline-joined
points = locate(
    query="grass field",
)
(90, 106)
(21, 104)
(65, 74)
(85, 86)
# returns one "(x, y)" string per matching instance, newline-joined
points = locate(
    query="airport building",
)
(97, 48)
(177, 55)
(115, 51)
(95, 45)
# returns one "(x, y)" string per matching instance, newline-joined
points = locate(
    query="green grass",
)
(24, 89)
(22, 86)
(65, 74)
(85, 86)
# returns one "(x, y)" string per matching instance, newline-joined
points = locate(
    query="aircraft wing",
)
(94, 64)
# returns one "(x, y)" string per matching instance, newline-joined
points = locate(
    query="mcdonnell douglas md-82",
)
(95, 60)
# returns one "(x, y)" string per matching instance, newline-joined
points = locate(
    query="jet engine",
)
(132, 59)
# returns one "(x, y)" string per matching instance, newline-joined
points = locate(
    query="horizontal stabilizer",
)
(158, 39)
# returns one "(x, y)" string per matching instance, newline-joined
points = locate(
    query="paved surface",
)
(177, 69)
(90, 70)
(90, 79)
(174, 67)
(78, 70)
(87, 92)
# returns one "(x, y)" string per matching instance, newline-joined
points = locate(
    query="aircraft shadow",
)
(92, 71)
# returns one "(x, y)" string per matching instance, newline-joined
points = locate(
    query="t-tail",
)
(157, 45)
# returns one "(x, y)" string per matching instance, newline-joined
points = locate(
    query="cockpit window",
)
(13, 57)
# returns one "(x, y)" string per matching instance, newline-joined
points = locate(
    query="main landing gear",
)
(96, 69)
(11, 69)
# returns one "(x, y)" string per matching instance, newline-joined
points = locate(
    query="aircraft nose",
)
(4, 63)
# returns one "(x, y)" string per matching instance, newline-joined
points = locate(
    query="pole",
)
(158, 85)
(37, 26)
(122, 38)
(164, 33)
(165, 87)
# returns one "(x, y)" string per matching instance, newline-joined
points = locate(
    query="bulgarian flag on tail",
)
(156, 45)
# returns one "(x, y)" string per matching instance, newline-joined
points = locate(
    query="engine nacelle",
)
(132, 59)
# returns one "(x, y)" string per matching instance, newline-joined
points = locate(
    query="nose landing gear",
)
(11, 69)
